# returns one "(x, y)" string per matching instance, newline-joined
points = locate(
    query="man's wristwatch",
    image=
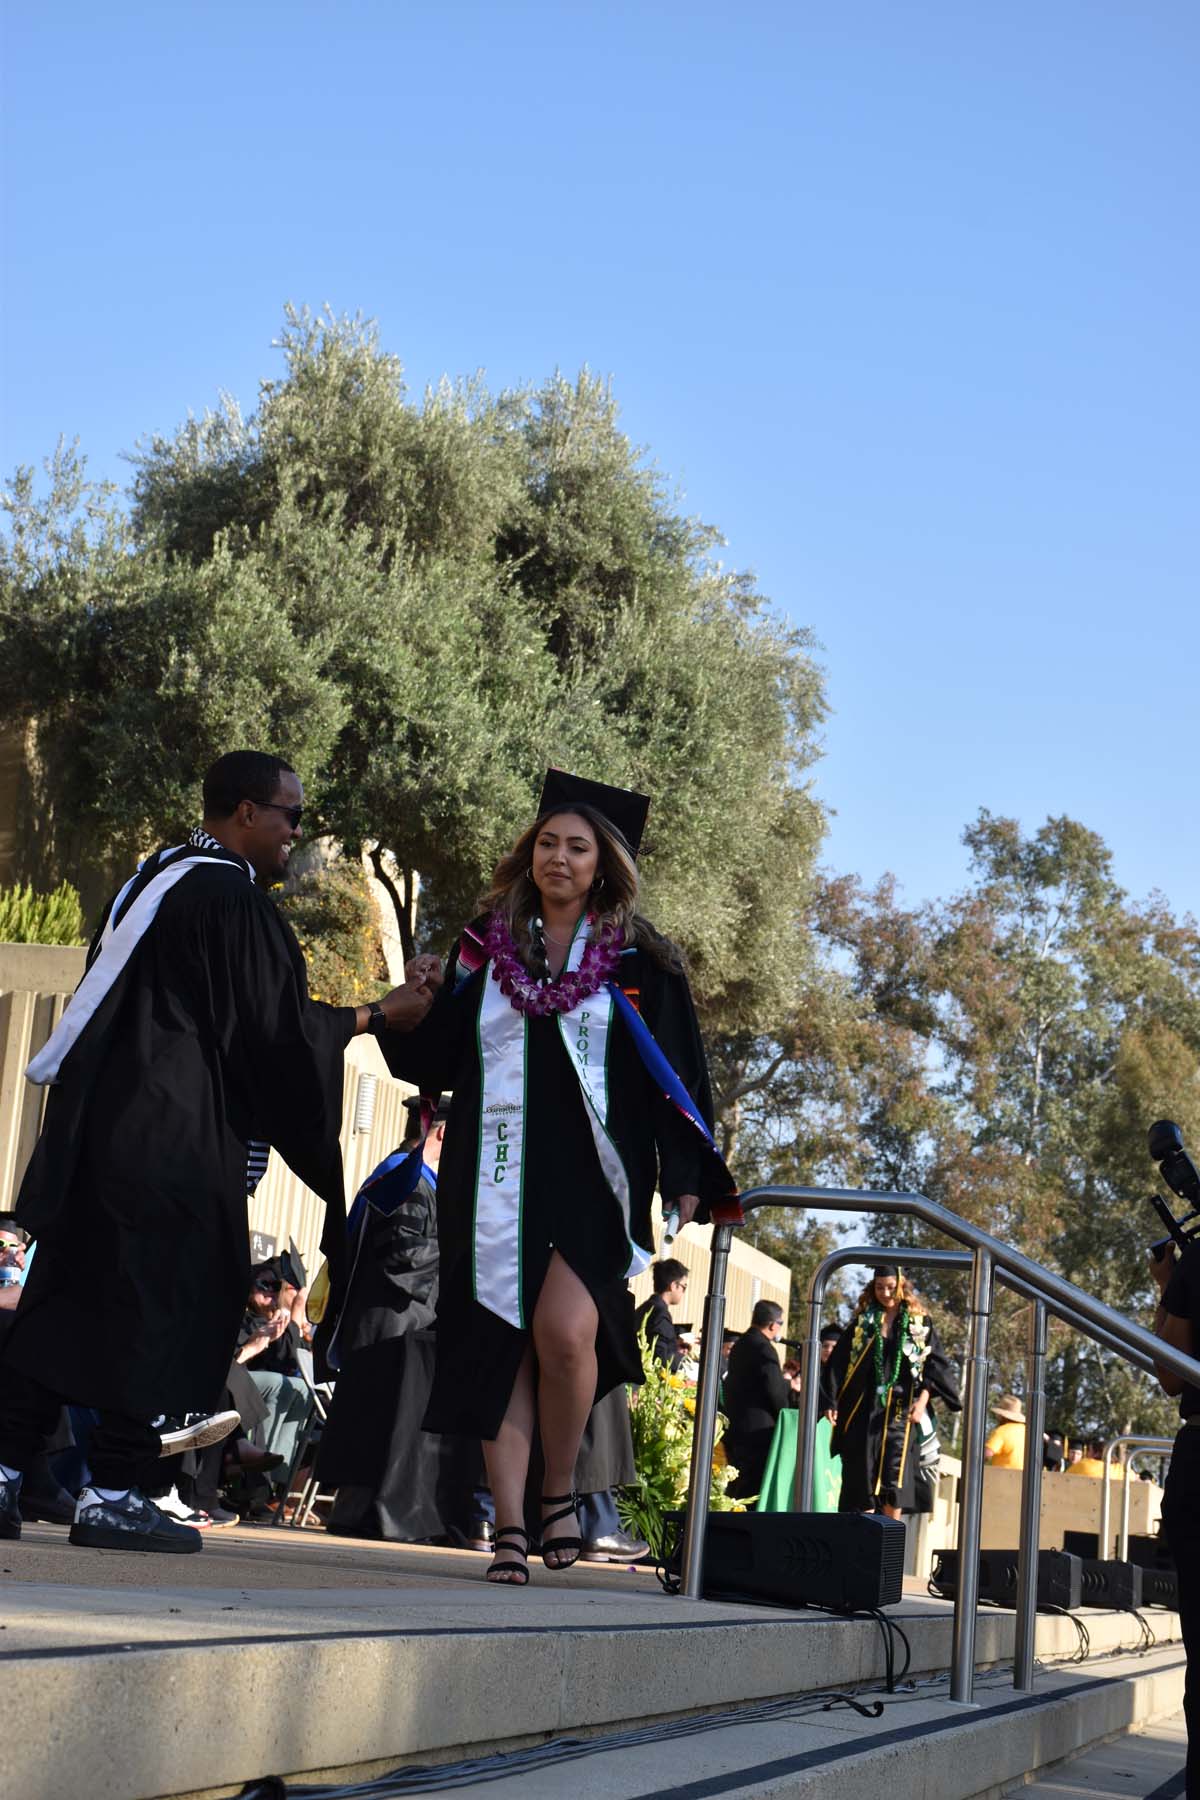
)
(376, 1019)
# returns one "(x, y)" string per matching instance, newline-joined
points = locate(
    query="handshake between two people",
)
(404, 1007)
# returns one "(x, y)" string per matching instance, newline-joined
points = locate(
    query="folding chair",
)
(308, 1439)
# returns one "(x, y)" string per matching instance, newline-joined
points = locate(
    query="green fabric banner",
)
(780, 1478)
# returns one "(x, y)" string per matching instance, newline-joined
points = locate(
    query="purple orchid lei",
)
(527, 993)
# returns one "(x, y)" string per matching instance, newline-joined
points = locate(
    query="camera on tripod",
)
(1183, 1178)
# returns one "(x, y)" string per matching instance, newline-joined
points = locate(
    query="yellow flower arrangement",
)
(661, 1417)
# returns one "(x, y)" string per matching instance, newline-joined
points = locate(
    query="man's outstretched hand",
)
(406, 1006)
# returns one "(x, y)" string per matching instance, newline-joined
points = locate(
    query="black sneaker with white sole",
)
(132, 1523)
(10, 1511)
(194, 1431)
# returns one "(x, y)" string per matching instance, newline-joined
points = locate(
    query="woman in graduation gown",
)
(556, 1140)
(887, 1366)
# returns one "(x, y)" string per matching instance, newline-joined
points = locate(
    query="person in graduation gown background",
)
(191, 1037)
(393, 1480)
(886, 1367)
(556, 1139)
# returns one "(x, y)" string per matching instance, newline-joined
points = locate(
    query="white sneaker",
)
(195, 1431)
(175, 1508)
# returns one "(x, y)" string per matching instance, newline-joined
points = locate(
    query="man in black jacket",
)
(654, 1323)
(756, 1392)
(1177, 1322)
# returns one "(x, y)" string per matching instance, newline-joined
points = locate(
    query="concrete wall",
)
(35, 982)
(1069, 1503)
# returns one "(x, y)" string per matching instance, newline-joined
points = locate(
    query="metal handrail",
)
(1159, 1444)
(1031, 1479)
(1131, 1440)
(916, 1258)
(990, 1255)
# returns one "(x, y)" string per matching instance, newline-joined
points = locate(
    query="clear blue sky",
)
(904, 298)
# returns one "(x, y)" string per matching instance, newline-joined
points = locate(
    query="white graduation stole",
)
(503, 1122)
(117, 944)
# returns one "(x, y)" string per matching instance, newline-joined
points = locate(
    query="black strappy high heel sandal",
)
(509, 1574)
(557, 1545)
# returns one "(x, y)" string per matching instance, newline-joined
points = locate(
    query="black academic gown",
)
(873, 1437)
(136, 1191)
(393, 1480)
(755, 1392)
(568, 1205)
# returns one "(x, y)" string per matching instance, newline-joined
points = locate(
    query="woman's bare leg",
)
(564, 1337)
(507, 1458)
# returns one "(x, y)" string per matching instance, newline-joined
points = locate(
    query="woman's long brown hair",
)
(613, 901)
(905, 1293)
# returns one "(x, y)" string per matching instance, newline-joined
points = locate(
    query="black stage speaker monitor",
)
(1146, 1552)
(1160, 1587)
(1113, 1584)
(848, 1562)
(1058, 1583)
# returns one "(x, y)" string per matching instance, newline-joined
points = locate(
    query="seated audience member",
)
(267, 1345)
(1005, 1446)
(654, 1323)
(756, 1392)
(12, 1263)
(1088, 1459)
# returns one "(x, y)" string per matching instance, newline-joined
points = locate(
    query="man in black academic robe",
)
(393, 1480)
(190, 1039)
(756, 1392)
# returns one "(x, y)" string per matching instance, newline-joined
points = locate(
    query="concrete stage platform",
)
(130, 1677)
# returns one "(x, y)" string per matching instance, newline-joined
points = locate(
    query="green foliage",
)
(422, 605)
(661, 1416)
(29, 918)
(1003, 1053)
(333, 915)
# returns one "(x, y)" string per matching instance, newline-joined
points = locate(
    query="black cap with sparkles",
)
(620, 806)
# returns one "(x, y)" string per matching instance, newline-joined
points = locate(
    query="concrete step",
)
(128, 1692)
(1144, 1762)
(921, 1748)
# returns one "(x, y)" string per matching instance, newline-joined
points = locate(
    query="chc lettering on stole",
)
(500, 1170)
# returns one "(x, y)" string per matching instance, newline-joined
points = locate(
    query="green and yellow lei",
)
(911, 1340)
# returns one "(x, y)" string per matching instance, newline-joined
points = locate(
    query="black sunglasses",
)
(293, 814)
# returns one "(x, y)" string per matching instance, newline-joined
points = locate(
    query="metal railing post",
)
(966, 1600)
(1104, 1539)
(810, 1396)
(1031, 1499)
(1123, 1541)
(704, 1435)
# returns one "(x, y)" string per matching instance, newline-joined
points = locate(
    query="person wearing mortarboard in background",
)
(828, 1340)
(190, 1037)
(563, 1119)
(887, 1366)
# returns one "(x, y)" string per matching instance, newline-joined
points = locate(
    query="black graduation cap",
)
(291, 1265)
(620, 806)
